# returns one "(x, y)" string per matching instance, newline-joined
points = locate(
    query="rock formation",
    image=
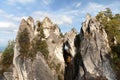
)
(94, 49)
(88, 50)
(91, 60)
(26, 68)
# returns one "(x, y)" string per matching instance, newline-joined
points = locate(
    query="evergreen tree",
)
(24, 42)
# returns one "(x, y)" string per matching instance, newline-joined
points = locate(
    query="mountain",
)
(42, 52)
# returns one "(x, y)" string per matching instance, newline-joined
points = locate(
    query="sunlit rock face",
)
(39, 68)
(89, 53)
(26, 68)
(94, 48)
(49, 27)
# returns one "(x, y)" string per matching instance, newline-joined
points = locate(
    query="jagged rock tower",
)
(89, 51)
(94, 48)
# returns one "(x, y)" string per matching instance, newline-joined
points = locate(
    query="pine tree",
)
(24, 42)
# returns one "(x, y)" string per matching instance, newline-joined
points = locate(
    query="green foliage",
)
(111, 23)
(61, 34)
(7, 57)
(24, 42)
(39, 44)
(108, 12)
(42, 46)
(40, 30)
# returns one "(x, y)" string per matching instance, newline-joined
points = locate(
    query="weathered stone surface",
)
(70, 36)
(25, 68)
(49, 27)
(94, 49)
(41, 70)
(89, 53)
(8, 75)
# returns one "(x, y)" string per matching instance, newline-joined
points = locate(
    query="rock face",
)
(39, 67)
(87, 52)
(18, 62)
(49, 27)
(94, 49)
(26, 68)
(91, 60)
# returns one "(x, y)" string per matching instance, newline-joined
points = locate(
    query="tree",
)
(7, 57)
(40, 30)
(108, 12)
(24, 42)
(39, 44)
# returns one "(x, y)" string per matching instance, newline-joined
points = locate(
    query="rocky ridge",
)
(89, 50)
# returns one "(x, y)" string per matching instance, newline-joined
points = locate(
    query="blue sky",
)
(66, 13)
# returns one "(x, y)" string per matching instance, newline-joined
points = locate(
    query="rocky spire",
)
(31, 22)
(88, 16)
(94, 48)
(49, 27)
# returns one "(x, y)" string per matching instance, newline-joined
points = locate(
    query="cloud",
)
(20, 1)
(47, 2)
(9, 17)
(93, 8)
(61, 18)
(66, 19)
(7, 25)
(78, 4)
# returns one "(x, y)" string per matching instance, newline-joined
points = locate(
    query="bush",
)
(39, 44)
(42, 46)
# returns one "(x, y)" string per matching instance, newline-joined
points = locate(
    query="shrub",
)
(42, 46)
(24, 42)
(7, 57)
(39, 44)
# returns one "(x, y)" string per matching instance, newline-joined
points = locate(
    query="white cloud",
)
(9, 17)
(78, 4)
(93, 8)
(7, 25)
(66, 19)
(19, 1)
(61, 18)
(47, 2)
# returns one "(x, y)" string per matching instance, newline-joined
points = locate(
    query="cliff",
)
(42, 52)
